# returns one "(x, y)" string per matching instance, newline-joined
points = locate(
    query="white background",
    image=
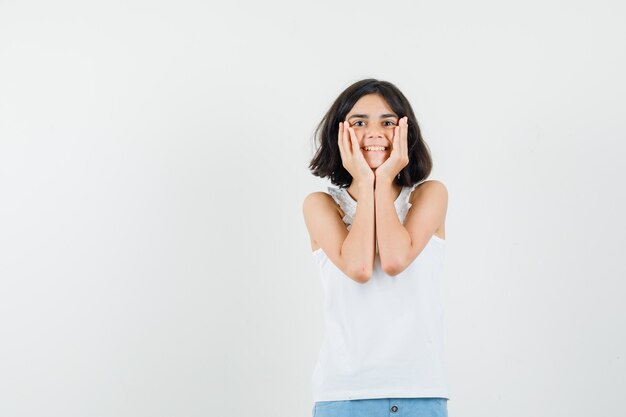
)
(154, 259)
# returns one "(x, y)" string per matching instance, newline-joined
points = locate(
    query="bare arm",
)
(351, 251)
(359, 246)
(398, 244)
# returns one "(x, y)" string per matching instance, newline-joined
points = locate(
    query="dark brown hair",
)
(327, 160)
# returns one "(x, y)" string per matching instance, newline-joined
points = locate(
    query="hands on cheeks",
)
(351, 156)
(399, 157)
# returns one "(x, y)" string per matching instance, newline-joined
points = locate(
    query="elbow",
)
(392, 268)
(392, 272)
(361, 276)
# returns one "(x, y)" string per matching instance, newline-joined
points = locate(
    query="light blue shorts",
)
(383, 407)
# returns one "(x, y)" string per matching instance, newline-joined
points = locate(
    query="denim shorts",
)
(383, 407)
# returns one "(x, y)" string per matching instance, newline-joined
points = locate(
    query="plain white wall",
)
(153, 161)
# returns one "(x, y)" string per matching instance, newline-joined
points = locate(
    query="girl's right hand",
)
(351, 156)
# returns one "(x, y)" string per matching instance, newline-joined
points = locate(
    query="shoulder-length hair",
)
(327, 160)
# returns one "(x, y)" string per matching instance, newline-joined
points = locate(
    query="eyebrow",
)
(365, 116)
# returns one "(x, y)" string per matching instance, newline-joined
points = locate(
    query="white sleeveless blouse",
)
(383, 338)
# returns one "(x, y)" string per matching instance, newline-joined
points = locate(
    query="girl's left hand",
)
(399, 157)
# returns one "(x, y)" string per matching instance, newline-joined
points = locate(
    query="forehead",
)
(372, 104)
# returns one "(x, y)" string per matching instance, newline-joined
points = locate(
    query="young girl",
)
(378, 238)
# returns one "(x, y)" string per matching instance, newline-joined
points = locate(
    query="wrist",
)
(384, 180)
(365, 184)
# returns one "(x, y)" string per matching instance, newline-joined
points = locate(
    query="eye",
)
(358, 121)
(391, 122)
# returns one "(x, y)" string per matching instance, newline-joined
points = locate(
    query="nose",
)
(374, 132)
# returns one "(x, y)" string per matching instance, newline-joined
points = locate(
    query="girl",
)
(378, 240)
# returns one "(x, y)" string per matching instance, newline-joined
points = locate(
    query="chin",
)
(375, 164)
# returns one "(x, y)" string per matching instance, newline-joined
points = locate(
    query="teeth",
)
(374, 148)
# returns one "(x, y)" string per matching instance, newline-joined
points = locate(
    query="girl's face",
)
(373, 122)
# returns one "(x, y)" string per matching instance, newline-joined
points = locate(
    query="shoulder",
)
(429, 190)
(316, 198)
(318, 201)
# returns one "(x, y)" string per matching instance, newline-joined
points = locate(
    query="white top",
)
(383, 339)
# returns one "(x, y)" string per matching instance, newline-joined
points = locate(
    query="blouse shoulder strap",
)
(406, 203)
(402, 204)
(341, 197)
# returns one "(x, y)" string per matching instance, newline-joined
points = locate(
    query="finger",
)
(401, 130)
(346, 138)
(355, 142)
(340, 142)
(405, 136)
(396, 136)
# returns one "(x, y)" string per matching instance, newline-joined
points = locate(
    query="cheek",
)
(359, 137)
